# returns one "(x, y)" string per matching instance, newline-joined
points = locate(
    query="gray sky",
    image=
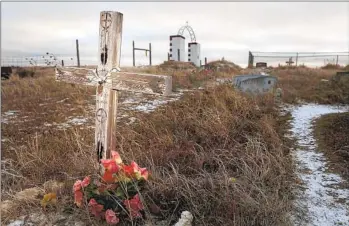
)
(228, 29)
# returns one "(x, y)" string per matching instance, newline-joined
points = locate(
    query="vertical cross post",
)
(77, 52)
(297, 60)
(133, 53)
(337, 61)
(110, 31)
(150, 54)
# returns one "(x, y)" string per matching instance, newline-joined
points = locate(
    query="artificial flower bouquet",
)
(115, 195)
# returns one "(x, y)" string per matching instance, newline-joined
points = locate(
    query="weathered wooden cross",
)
(108, 79)
(289, 62)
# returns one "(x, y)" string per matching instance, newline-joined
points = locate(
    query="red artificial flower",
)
(78, 198)
(129, 171)
(110, 165)
(111, 217)
(108, 177)
(133, 170)
(134, 205)
(85, 182)
(77, 185)
(95, 208)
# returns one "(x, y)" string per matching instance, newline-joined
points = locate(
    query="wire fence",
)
(38, 60)
(312, 59)
(68, 60)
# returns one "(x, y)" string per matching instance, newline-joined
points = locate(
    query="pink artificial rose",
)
(134, 205)
(78, 198)
(77, 186)
(111, 217)
(95, 208)
(92, 202)
(85, 182)
(144, 173)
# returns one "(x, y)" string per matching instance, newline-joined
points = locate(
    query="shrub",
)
(331, 66)
(22, 73)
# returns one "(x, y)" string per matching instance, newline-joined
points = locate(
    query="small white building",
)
(177, 48)
(194, 53)
(255, 83)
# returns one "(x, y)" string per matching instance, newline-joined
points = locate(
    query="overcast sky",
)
(224, 29)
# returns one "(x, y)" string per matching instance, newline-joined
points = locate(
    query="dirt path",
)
(320, 200)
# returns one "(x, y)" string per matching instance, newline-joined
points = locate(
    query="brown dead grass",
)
(332, 133)
(305, 84)
(193, 147)
(187, 78)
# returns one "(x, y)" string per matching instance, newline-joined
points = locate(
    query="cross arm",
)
(76, 75)
(122, 81)
(142, 83)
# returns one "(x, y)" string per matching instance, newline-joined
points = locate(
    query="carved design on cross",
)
(101, 115)
(106, 21)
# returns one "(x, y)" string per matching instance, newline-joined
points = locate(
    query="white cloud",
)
(226, 29)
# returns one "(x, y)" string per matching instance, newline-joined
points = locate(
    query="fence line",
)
(27, 61)
(299, 58)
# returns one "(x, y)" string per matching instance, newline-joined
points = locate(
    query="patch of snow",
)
(185, 220)
(129, 101)
(224, 80)
(62, 125)
(184, 90)
(152, 105)
(10, 112)
(77, 121)
(322, 192)
(19, 223)
(61, 101)
(132, 120)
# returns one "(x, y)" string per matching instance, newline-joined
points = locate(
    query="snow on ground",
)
(149, 106)
(321, 198)
(134, 102)
(8, 116)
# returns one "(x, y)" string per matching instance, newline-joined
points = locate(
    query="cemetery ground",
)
(220, 154)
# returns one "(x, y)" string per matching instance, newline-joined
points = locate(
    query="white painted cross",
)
(108, 79)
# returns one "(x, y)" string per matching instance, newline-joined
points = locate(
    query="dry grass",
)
(332, 132)
(306, 84)
(187, 78)
(332, 66)
(193, 148)
(33, 153)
